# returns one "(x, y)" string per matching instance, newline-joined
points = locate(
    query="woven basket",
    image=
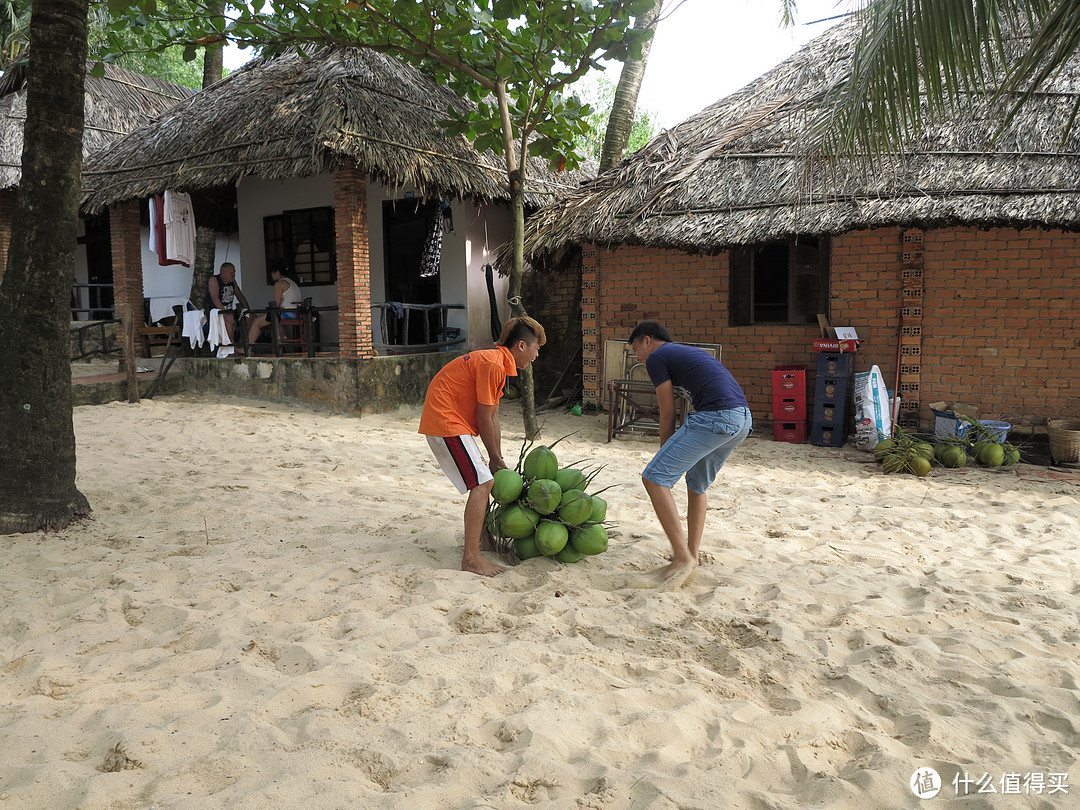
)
(1064, 440)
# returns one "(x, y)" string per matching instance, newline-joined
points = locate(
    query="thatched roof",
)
(294, 115)
(115, 104)
(740, 172)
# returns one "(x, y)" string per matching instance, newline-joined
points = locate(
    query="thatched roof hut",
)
(115, 104)
(741, 171)
(296, 115)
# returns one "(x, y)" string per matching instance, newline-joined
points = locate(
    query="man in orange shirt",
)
(462, 403)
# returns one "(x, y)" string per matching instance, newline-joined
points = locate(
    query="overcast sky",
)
(706, 49)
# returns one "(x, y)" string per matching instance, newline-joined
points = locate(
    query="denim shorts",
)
(699, 448)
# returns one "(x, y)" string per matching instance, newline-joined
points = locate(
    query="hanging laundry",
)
(179, 227)
(157, 231)
(152, 244)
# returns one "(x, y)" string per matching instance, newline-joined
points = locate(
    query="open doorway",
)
(94, 299)
(406, 225)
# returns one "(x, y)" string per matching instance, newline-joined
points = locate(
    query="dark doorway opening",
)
(98, 290)
(406, 225)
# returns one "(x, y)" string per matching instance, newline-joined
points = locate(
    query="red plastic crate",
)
(789, 409)
(792, 432)
(788, 381)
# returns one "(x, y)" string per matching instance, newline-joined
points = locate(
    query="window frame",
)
(280, 243)
(742, 269)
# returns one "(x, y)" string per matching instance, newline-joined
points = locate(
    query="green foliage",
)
(599, 93)
(169, 65)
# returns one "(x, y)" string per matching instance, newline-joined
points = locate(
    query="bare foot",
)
(676, 574)
(480, 565)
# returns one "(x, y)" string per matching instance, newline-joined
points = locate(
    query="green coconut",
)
(918, 465)
(589, 540)
(894, 462)
(526, 548)
(540, 463)
(518, 521)
(507, 486)
(954, 456)
(492, 520)
(544, 495)
(570, 478)
(599, 509)
(991, 454)
(550, 537)
(1012, 454)
(568, 554)
(883, 448)
(575, 507)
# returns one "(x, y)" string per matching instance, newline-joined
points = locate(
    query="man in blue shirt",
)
(699, 448)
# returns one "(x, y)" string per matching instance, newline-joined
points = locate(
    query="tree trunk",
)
(205, 251)
(37, 435)
(624, 106)
(213, 53)
(515, 173)
(513, 297)
(205, 238)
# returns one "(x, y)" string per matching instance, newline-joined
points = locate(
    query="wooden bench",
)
(146, 337)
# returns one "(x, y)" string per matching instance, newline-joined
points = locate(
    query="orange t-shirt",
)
(474, 379)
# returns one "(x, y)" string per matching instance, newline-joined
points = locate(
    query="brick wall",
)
(995, 323)
(353, 264)
(554, 299)
(689, 295)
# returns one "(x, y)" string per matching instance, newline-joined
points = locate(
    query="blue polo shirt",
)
(710, 385)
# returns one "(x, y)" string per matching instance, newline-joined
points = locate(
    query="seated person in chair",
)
(222, 292)
(287, 297)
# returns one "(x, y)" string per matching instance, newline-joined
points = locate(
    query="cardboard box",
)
(823, 345)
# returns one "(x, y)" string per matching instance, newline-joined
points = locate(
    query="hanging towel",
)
(219, 336)
(194, 320)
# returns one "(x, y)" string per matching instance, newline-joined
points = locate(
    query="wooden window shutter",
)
(741, 286)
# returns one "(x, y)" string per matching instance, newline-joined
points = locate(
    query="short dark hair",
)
(652, 329)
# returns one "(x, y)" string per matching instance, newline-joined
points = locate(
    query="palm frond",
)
(918, 61)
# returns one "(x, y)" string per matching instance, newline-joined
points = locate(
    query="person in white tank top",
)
(287, 295)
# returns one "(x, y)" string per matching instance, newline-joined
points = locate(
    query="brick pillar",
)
(591, 350)
(126, 237)
(8, 199)
(911, 261)
(353, 263)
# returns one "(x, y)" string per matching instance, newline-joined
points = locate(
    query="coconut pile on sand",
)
(266, 611)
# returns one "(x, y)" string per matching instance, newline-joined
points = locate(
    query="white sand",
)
(265, 612)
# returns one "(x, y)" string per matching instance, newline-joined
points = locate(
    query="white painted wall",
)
(478, 231)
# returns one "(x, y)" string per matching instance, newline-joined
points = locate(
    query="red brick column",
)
(353, 263)
(591, 350)
(8, 199)
(126, 237)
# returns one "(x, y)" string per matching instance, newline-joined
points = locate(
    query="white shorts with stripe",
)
(460, 459)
